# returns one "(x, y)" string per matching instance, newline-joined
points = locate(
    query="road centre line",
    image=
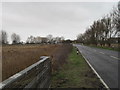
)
(101, 52)
(115, 57)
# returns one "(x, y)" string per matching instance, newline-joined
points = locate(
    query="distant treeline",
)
(104, 31)
(49, 39)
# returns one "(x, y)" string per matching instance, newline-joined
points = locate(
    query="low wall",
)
(37, 75)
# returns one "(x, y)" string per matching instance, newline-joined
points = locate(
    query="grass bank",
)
(75, 74)
(107, 48)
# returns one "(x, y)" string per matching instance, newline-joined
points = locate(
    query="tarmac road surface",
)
(105, 62)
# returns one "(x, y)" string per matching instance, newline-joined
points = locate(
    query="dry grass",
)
(75, 74)
(59, 58)
(0, 63)
(17, 57)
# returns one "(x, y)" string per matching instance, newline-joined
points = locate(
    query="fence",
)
(35, 76)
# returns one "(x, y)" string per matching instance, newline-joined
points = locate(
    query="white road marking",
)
(95, 72)
(101, 52)
(115, 57)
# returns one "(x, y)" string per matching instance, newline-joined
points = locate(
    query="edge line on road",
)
(95, 72)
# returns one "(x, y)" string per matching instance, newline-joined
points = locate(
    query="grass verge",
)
(107, 48)
(75, 74)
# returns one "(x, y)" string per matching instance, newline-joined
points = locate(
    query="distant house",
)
(38, 40)
(41, 40)
(44, 39)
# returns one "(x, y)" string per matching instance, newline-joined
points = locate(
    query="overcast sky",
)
(66, 19)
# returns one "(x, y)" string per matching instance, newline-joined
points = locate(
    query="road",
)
(105, 62)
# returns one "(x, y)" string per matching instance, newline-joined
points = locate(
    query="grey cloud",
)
(59, 19)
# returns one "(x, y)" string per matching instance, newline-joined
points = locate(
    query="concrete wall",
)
(37, 75)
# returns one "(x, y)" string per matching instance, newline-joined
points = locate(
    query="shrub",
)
(60, 55)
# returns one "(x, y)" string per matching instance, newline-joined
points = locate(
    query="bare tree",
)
(3, 37)
(50, 38)
(109, 28)
(102, 31)
(116, 19)
(15, 38)
(58, 39)
(30, 39)
(80, 38)
(62, 38)
(99, 32)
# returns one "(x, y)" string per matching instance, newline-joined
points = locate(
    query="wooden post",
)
(77, 52)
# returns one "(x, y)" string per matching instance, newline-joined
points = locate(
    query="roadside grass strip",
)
(76, 73)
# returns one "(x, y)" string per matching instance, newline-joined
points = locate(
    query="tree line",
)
(4, 38)
(103, 31)
(30, 40)
(49, 39)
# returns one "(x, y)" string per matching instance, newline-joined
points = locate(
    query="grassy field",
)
(75, 74)
(17, 57)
